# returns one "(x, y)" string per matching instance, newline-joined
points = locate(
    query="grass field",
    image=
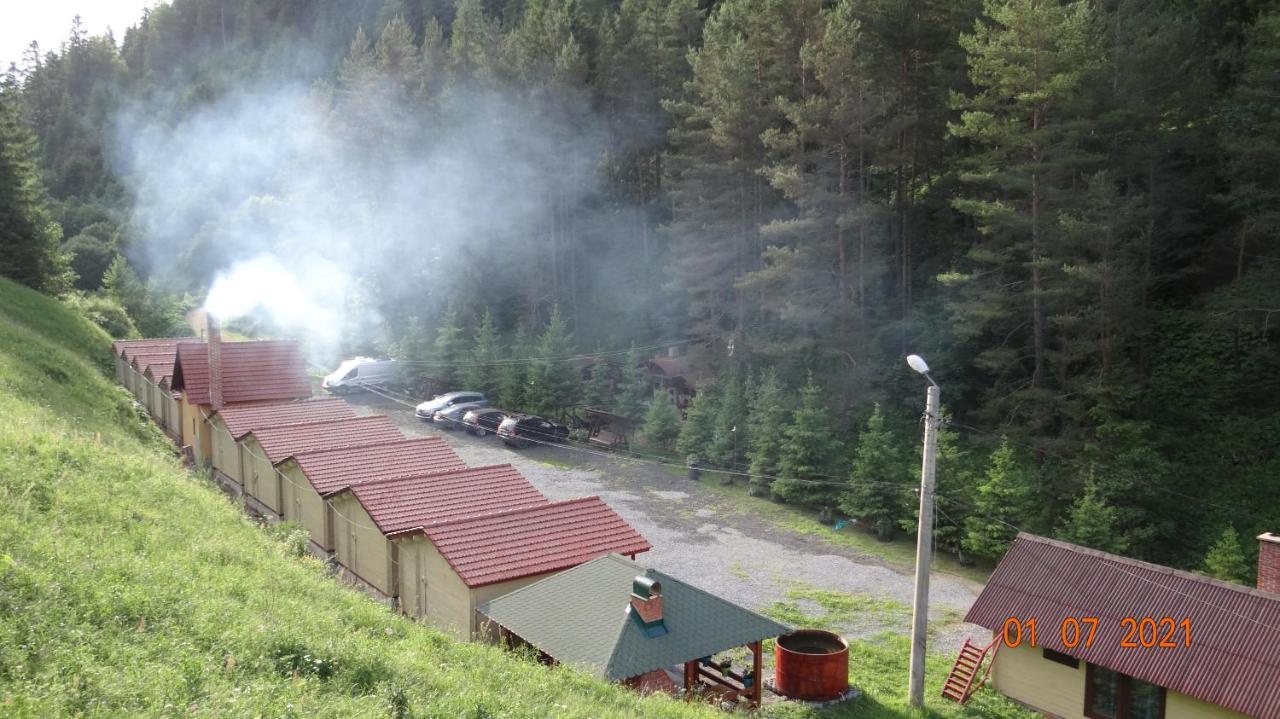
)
(131, 587)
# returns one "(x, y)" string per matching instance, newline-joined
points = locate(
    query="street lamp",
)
(924, 534)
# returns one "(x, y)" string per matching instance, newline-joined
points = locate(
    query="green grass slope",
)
(131, 587)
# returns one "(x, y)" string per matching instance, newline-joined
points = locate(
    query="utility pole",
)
(924, 534)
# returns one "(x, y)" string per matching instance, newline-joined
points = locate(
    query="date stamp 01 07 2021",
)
(1144, 632)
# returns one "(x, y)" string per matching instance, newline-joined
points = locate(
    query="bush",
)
(104, 312)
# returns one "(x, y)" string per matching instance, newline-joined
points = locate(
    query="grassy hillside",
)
(129, 587)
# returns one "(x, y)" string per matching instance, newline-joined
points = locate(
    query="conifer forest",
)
(1072, 209)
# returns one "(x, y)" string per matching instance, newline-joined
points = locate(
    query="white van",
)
(354, 373)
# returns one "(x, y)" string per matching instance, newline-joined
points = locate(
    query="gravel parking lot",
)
(735, 554)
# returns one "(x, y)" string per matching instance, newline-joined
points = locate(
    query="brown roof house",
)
(450, 568)
(1117, 638)
(123, 352)
(310, 478)
(265, 447)
(369, 517)
(215, 374)
(230, 424)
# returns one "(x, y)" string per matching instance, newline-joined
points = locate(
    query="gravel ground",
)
(741, 557)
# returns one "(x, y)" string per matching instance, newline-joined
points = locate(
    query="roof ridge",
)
(352, 448)
(517, 510)
(652, 571)
(300, 425)
(1150, 566)
(433, 475)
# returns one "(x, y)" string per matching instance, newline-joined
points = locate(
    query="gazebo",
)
(640, 627)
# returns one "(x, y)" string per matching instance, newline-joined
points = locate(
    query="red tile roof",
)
(127, 348)
(523, 542)
(403, 504)
(332, 470)
(240, 419)
(281, 442)
(141, 362)
(252, 371)
(1231, 662)
(160, 369)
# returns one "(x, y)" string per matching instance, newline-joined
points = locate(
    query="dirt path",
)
(697, 537)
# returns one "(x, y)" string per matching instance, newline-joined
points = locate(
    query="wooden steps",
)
(960, 682)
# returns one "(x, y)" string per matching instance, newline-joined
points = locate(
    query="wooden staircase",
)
(960, 682)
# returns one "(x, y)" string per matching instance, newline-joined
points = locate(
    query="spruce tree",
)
(699, 425)
(1003, 501)
(553, 382)
(768, 413)
(729, 440)
(635, 392)
(809, 457)
(513, 375)
(449, 350)
(482, 374)
(661, 422)
(599, 390)
(1092, 523)
(1226, 560)
(880, 480)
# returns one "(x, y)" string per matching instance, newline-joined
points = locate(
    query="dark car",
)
(483, 421)
(522, 430)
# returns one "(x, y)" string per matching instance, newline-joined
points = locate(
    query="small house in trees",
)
(311, 477)
(623, 623)
(266, 447)
(215, 374)
(448, 569)
(675, 375)
(1116, 638)
(369, 517)
(230, 424)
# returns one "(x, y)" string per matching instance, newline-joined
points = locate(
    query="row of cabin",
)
(405, 518)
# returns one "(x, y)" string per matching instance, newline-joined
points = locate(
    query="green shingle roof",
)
(579, 618)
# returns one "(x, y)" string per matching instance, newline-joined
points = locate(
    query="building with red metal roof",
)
(231, 423)
(265, 447)
(448, 569)
(369, 516)
(1166, 644)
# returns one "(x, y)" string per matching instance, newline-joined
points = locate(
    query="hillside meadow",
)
(130, 586)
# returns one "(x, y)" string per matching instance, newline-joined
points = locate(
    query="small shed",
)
(231, 423)
(368, 517)
(451, 568)
(160, 399)
(624, 623)
(1139, 660)
(143, 380)
(215, 374)
(265, 447)
(123, 352)
(311, 477)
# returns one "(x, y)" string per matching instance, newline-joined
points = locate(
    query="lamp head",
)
(918, 364)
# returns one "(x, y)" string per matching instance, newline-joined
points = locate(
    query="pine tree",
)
(448, 351)
(809, 457)
(768, 412)
(880, 480)
(662, 422)
(1004, 500)
(513, 376)
(635, 391)
(553, 382)
(699, 425)
(1225, 559)
(729, 440)
(1091, 522)
(599, 390)
(29, 236)
(482, 374)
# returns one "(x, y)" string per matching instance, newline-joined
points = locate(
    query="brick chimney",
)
(1269, 562)
(213, 339)
(646, 605)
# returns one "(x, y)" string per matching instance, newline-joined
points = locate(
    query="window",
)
(355, 372)
(1111, 695)
(1060, 658)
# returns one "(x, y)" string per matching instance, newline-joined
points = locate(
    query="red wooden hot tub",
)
(811, 664)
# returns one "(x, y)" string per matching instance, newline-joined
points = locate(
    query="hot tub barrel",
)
(811, 664)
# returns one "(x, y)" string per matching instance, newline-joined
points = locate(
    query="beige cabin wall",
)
(260, 481)
(1022, 673)
(226, 452)
(172, 415)
(359, 546)
(303, 505)
(431, 591)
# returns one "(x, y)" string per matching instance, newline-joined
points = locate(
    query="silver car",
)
(451, 416)
(427, 410)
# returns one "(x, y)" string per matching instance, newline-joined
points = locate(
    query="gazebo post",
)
(690, 675)
(756, 679)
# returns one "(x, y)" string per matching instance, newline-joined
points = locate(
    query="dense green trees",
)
(1069, 207)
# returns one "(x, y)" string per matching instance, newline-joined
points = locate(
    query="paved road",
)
(739, 556)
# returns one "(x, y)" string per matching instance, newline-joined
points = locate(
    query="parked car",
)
(451, 416)
(427, 410)
(354, 374)
(484, 421)
(522, 430)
